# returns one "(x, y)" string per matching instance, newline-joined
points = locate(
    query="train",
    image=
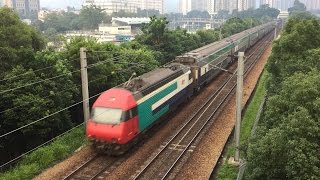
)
(121, 115)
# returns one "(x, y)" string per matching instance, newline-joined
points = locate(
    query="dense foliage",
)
(263, 12)
(287, 143)
(39, 84)
(297, 6)
(171, 43)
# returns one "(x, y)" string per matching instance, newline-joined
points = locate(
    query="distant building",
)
(42, 14)
(200, 5)
(111, 6)
(283, 15)
(114, 30)
(185, 6)
(246, 4)
(233, 5)
(131, 6)
(153, 4)
(311, 4)
(24, 7)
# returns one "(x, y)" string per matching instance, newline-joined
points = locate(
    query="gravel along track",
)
(137, 159)
(208, 151)
(93, 168)
(162, 164)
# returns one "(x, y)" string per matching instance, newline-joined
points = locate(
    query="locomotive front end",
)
(114, 120)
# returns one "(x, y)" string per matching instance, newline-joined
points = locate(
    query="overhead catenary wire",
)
(27, 103)
(68, 89)
(41, 81)
(50, 115)
(26, 153)
(45, 117)
(51, 140)
(38, 70)
(55, 77)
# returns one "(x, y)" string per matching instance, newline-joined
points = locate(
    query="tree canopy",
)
(288, 139)
(18, 40)
(297, 7)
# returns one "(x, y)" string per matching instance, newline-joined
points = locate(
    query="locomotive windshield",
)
(106, 115)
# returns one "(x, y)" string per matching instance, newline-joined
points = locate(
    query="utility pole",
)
(239, 104)
(84, 80)
(275, 32)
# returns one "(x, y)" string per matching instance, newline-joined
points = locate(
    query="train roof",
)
(215, 46)
(152, 80)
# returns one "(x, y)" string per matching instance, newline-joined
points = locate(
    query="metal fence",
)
(243, 164)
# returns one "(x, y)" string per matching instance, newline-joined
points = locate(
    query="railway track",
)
(96, 167)
(166, 162)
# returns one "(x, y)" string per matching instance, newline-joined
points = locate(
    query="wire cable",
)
(55, 77)
(48, 96)
(23, 74)
(43, 118)
(57, 112)
(26, 153)
(37, 82)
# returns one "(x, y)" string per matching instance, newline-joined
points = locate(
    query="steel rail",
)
(69, 176)
(73, 174)
(207, 121)
(212, 99)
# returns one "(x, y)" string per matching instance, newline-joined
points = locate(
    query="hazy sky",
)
(170, 5)
(60, 3)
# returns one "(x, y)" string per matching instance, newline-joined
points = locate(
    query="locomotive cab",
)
(114, 118)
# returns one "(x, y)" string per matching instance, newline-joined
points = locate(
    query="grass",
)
(44, 157)
(227, 171)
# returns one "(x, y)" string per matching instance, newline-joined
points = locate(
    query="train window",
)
(107, 115)
(127, 115)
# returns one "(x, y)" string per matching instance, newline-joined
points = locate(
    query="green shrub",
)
(46, 156)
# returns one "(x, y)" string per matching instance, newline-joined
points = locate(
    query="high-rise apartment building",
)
(233, 5)
(214, 6)
(246, 4)
(153, 4)
(131, 6)
(282, 5)
(24, 7)
(211, 7)
(200, 5)
(271, 3)
(311, 4)
(185, 6)
(222, 5)
(111, 6)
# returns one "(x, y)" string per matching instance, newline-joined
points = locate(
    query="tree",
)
(153, 33)
(288, 140)
(147, 12)
(223, 14)
(291, 52)
(297, 6)
(30, 103)
(289, 151)
(91, 17)
(62, 22)
(18, 40)
(208, 36)
(198, 14)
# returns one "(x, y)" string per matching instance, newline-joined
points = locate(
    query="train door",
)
(132, 122)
